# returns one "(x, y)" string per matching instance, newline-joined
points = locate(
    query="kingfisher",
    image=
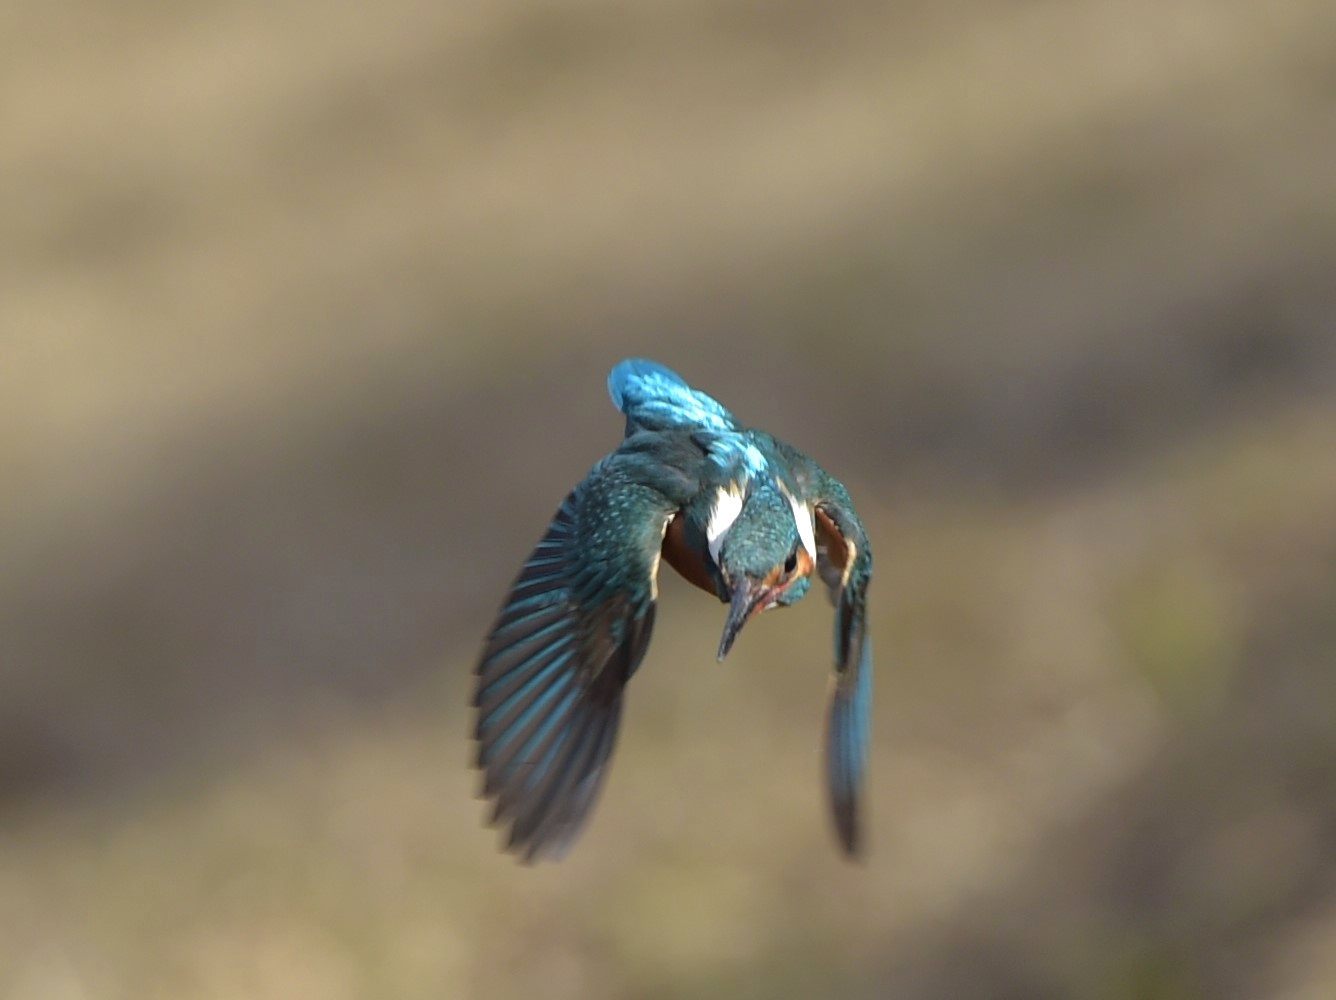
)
(736, 512)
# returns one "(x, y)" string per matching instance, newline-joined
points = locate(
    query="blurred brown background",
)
(305, 312)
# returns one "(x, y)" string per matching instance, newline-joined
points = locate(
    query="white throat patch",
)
(727, 507)
(802, 517)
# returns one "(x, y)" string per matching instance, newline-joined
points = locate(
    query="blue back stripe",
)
(656, 397)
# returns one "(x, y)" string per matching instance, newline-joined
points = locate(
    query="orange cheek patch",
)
(801, 568)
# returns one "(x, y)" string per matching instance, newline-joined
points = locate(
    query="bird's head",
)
(766, 558)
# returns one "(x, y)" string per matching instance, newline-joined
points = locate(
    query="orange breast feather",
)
(689, 563)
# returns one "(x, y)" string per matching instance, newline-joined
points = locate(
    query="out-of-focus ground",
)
(305, 311)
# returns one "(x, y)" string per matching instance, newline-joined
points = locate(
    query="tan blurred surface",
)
(305, 312)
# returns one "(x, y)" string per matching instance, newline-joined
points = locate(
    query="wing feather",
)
(844, 561)
(574, 628)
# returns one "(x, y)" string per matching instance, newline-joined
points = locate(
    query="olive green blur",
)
(305, 315)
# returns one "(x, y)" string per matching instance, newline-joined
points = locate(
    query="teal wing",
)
(844, 560)
(571, 633)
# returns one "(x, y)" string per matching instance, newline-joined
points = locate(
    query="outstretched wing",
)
(844, 560)
(570, 635)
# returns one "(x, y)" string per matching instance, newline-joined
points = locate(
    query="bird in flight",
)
(738, 513)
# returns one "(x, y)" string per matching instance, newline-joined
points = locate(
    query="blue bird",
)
(736, 512)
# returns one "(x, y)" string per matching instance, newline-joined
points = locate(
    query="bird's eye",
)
(791, 563)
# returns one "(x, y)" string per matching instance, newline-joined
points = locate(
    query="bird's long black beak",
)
(748, 596)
